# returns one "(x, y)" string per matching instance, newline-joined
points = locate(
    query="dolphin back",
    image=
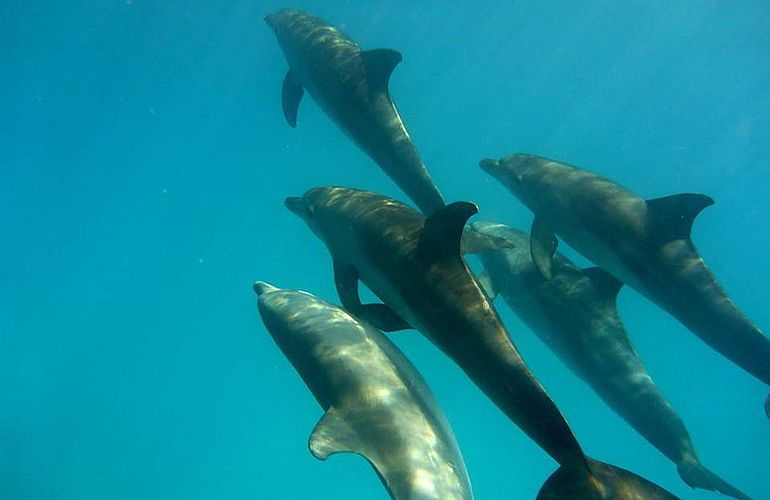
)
(601, 481)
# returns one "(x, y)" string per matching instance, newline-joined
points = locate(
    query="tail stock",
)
(697, 476)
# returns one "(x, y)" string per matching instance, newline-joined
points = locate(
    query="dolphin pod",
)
(643, 243)
(575, 315)
(376, 403)
(414, 266)
(351, 86)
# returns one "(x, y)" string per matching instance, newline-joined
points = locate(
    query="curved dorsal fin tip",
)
(671, 217)
(379, 64)
(443, 231)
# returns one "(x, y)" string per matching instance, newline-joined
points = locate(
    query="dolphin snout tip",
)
(261, 287)
(479, 225)
(269, 20)
(488, 164)
(295, 203)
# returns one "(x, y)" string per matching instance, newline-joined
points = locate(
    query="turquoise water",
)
(145, 159)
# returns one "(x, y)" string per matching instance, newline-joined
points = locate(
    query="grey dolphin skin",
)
(414, 266)
(377, 404)
(575, 314)
(643, 243)
(351, 86)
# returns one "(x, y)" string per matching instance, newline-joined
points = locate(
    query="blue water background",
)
(144, 159)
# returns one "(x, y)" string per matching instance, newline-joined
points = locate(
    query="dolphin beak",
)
(269, 20)
(261, 287)
(478, 225)
(297, 205)
(488, 165)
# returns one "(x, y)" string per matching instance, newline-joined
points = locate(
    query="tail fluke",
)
(697, 476)
(600, 482)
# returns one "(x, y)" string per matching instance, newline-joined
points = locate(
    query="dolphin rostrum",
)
(351, 86)
(575, 314)
(643, 243)
(377, 404)
(414, 266)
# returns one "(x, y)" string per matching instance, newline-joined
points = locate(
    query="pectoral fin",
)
(542, 247)
(671, 217)
(291, 94)
(333, 434)
(476, 242)
(346, 282)
(381, 316)
(379, 64)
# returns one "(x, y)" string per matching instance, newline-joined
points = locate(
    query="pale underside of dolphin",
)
(414, 266)
(351, 87)
(376, 403)
(643, 243)
(575, 314)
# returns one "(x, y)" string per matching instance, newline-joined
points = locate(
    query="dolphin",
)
(643, 243)
(575, 314)
(351, 86)
(376, 403)
(414, 266)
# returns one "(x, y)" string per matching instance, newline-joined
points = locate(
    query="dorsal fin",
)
(605, 284)
(442, 233)
(379, 65)
(671, 217)
(333, 434)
